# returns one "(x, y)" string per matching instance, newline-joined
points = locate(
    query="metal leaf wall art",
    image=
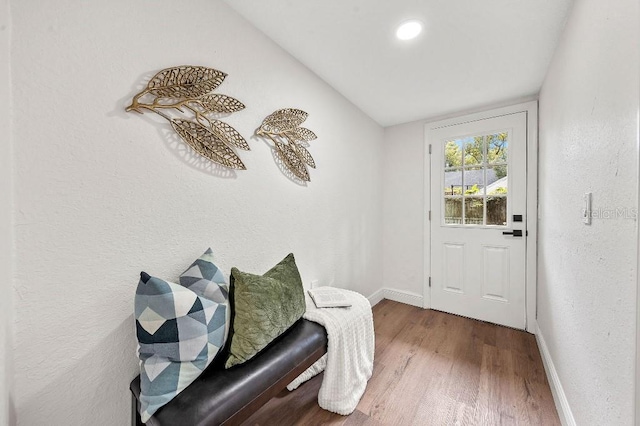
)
(187, 90)
(283, 128)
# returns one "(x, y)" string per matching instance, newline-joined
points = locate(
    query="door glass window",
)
(475, 180)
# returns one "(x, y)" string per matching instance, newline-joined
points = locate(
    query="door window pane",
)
(453, 210)
(473, 210)
(497, 182)
(453, 153)
(474, 150)
(497, 210)
(453, 182)
(497, 147)
(473, 180)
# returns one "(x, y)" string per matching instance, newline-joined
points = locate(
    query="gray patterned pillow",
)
(180, 329)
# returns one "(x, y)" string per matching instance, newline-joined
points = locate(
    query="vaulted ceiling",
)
(470, 54)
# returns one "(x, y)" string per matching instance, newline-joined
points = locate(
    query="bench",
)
(228, 397)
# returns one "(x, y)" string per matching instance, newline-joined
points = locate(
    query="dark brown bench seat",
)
(229, 397)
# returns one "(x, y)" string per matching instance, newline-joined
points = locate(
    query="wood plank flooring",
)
(433, 368)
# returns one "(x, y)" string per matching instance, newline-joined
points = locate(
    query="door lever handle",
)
(515, 233)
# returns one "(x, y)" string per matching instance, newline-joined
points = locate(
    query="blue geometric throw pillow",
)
(180, 329)
(204, 278)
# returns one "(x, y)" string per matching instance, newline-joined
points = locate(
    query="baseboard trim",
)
(559, 397)
(401, 296)
(376, 297)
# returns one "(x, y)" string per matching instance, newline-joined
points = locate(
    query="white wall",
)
(403, 210)
(587, 274)
(6, 207)
(102, 194)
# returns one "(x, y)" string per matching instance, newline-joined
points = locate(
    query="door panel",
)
(454, 265)
(478, 175)
(495, 284)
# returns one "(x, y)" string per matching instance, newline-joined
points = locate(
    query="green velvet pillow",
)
(264, 306)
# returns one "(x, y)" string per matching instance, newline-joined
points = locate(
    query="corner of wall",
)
(401, 296)
(376, 297)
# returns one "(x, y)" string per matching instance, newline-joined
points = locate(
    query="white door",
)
(478, 219)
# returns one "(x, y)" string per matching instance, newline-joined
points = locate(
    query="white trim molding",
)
(559, 397)
(406, 297)
(402, 296)
(532, 216)
(637, 384)
(426, 229)
(376, 297)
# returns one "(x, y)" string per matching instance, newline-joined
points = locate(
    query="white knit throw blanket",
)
(348, 364)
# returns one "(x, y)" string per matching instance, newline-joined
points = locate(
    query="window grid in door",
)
(475, 180)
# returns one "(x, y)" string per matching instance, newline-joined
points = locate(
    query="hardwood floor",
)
(433, 368)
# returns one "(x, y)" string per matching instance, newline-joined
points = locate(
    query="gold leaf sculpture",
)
(283, 128)
(187, 90)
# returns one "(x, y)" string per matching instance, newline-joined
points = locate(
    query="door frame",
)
(531, 249)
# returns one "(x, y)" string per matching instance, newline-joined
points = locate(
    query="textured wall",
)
(403, 207)
(102, 194)
(6, 273)
(587, 274)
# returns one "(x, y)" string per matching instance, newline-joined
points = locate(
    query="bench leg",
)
(135, 413)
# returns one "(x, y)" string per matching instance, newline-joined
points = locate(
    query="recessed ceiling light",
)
(409, 29)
